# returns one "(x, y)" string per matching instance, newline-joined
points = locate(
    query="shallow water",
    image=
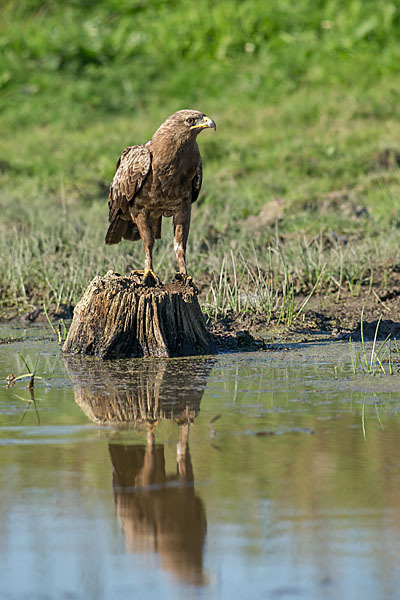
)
(261, 475)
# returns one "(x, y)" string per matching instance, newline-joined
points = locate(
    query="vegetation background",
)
(301, 179)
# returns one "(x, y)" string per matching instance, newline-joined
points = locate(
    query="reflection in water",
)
(304, 496)
(139, 391)
(158, 512)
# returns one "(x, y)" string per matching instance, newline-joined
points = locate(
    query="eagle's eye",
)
(190, 120)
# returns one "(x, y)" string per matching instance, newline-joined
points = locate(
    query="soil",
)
(329, 314)
(324, 317)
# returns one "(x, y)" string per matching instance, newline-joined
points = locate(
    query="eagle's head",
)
(185, 125)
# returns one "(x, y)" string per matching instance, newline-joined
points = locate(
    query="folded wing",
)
(197, 181)
(133, 168)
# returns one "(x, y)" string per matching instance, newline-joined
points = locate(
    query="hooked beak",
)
(205, 122)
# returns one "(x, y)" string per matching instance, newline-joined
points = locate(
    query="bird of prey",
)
(161, 178)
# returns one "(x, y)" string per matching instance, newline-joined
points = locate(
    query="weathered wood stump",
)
(122, 316)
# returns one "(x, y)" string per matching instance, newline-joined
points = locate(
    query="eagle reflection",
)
(157, 511)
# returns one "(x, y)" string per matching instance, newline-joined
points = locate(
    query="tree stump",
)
(122, 316)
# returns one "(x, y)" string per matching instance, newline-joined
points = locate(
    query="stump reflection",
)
(157, 511)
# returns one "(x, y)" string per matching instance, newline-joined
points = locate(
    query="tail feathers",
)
(115, 231)
(156, 225)
(132, 232)
(128, 230)
(122, 229)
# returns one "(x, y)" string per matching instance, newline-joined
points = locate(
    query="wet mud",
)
(331, 315)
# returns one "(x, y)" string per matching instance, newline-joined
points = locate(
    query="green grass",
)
(382, 359)
(307, 104)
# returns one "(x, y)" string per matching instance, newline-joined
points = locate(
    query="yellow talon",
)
(144, 272)
(147, 272)
(146, 276)
(150, 278)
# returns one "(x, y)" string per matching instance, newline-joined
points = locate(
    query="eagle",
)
(161, 178)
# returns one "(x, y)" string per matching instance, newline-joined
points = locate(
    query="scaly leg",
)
(181, 232)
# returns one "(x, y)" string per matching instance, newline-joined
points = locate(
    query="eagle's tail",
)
(119, 229)
(156, 225)
(115, 231)
(132, 232)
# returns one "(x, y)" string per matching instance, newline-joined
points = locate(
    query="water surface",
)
(263, 475)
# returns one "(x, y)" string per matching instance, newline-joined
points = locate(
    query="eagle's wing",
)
(196, 182)
(133, 167)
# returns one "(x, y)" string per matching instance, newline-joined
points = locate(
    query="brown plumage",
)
(161, 178)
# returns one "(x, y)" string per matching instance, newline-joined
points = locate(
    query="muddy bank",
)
(325, 315)
(331, 315)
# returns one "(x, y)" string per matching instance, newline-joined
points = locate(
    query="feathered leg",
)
(181, 233)
(147, 236)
